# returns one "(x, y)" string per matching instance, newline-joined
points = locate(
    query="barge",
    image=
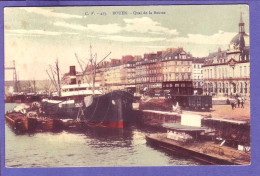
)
(207, 152)
(20, 123)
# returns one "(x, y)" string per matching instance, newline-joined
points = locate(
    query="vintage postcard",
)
(110, 86)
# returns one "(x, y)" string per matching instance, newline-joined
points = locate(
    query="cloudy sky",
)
(35, 37)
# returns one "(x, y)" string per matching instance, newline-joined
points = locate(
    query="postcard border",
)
(252, 169)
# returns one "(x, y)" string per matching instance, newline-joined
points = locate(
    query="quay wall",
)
(233, 132)
(157, 118)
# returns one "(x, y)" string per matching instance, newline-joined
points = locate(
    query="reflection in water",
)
(87, 148)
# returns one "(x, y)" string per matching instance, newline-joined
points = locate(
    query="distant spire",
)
(241, 17)
(241, 24)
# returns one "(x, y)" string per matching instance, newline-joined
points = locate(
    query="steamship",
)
(86, 103)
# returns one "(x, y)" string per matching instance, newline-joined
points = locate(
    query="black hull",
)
(113, 109)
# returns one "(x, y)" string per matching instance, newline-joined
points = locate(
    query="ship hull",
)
(113, 110)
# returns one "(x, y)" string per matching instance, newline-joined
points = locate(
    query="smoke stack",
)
(72, 71)
(73, 75)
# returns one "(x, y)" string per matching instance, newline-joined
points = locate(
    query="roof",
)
(236, 38)
(179, 127)
(198, 60)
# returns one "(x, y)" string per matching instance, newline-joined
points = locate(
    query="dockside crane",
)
(14, 76)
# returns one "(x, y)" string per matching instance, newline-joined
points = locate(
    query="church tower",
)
(241, 25)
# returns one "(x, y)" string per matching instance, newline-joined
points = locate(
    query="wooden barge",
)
(21, 124)
(17, 121)
(207, 152)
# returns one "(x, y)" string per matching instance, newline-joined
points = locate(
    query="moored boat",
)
(17, 121)
(109, 110)
(87, 103)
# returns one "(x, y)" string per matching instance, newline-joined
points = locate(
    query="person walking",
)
(242, 104)
(232, 105)
(243, 99)
(235, 103)
(238, 102)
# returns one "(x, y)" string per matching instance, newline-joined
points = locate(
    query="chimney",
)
(73, 75)
(72, 71)
(180, 49)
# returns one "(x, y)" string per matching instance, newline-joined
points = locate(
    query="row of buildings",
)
(221, 73)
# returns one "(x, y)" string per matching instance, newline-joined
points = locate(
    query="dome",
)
(239, 39)
(236, 38)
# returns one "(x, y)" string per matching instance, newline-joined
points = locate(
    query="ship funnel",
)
(73, 75)
(72, 71)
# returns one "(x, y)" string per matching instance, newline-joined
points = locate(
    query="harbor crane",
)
(15, 80)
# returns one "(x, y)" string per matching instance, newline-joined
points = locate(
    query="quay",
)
(156, 118)
(207, 152)
(213, 137)
(235, 132)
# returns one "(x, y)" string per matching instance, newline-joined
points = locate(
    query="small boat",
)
(17, 121)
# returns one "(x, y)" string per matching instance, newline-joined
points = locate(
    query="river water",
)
(88, 148)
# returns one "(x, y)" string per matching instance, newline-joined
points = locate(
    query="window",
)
(177, 78)
(241, 87)
(245, 71)
(227, 88)
(188, 76)
(195, 66)
(182, 76)
(245, 87)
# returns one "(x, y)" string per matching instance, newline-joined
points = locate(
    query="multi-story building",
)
(113, 75)
(228, 72)
(163, 66)
(197, 72)
(129, 75)
(120, 74)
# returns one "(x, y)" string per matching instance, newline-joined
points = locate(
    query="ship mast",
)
(93, 65)
(93, 70)
(58, 76)
(83, 71)
(52, 81)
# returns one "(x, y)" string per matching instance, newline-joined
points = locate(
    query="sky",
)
(35, 37)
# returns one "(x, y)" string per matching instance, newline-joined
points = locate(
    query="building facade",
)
(163, 66)
(197, 72)
(228, 72)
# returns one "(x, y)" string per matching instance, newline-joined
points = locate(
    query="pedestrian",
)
(238, 102)
(235, 103)
(232, 105)
(242, 104)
